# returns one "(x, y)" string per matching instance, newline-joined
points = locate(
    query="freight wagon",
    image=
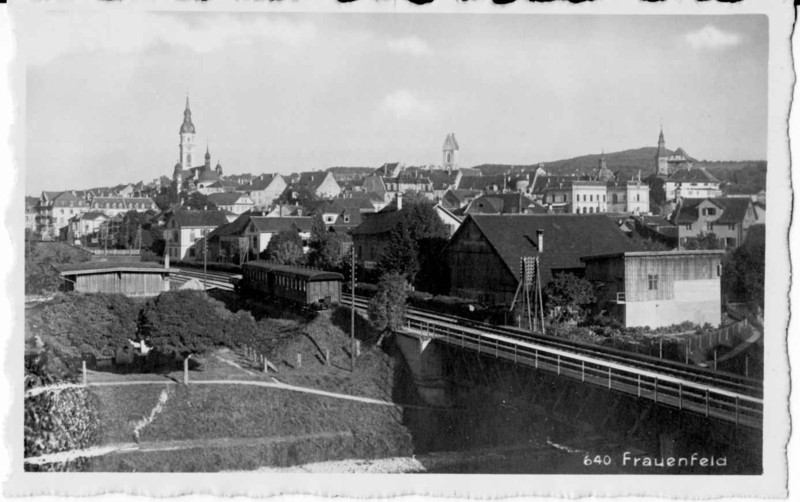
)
(305, 286)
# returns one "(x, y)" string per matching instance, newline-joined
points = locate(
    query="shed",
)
(127, 278)
(658, 288)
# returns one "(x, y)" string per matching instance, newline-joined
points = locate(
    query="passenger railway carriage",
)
(306, 286)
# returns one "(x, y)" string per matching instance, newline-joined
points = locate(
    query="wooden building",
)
(127, 278)
(483, 256)
(658, 288)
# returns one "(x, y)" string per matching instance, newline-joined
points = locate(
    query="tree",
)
(743, 269)
(703, 241)
(387, 309)
(415, 245)
(285, 248)
(197, 200)
(567, 297)
(400, 256)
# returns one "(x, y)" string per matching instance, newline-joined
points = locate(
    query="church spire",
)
(187, 127)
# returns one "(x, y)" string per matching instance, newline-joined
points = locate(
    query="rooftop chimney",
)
(540, 240)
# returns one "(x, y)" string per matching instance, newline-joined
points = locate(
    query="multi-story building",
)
(54, 211)
(235, 202)
(728, 218)
(184, 228)
(691, 183)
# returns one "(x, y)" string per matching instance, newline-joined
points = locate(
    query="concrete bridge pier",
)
(425, 360)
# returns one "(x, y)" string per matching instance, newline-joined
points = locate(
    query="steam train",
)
(304, 286)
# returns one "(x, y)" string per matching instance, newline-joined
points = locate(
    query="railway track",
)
(696, 374)
(437, 321)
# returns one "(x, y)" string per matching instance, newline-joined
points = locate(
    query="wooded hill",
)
(742, 176)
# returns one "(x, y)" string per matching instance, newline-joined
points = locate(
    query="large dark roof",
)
(274, 224)
(481, 182)
(309, 274)
(501, 203)
(224, 198)
(196, 218)
(693, 175)
(379, 223)
(734, 209)
(566, 238)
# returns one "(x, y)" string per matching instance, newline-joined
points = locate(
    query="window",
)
(730, 242)
(652, 282)
(347, 218)
(191, 252)
(637, 197)
(591, 198)
(604, 198)
(614, 199)
(584, 197)
(689, 226)
(732, 227)
(710, 226)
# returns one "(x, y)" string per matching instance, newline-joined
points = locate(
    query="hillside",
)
(742, 176)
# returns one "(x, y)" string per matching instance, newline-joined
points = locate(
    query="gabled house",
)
(457, 199)
(728, 218)
(371, 237)
(450, 219)
(342, 215)
(264, 189)
(320, 183)
(483, 256)
(87, 224)
(235, 202)
(691, 183)
(185, 227)
(261, 229)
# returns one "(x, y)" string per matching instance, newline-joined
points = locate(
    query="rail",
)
(663, 389)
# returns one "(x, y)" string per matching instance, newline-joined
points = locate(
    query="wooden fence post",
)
(327, 357)
(265, 365)
(83, 366)
(358, 348)
(186, 371)
(299, 360)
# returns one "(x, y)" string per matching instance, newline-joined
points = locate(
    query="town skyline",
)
(306, 105)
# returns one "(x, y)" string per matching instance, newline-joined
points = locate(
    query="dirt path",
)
(185, 444)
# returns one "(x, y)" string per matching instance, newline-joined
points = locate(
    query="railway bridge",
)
(596, 386)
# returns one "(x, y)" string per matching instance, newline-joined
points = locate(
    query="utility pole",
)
(205, 262)
(352, 307)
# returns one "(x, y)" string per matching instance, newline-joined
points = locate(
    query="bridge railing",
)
(662, 389)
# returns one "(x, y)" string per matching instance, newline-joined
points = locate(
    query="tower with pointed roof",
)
(187, 133)
(603, 173)
(450, 152)
(662, 166)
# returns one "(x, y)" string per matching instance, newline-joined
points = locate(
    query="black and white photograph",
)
(385, 239)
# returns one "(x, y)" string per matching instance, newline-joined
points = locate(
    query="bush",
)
(567, 297)
(57, 421)
(189, 322)
(74, 324)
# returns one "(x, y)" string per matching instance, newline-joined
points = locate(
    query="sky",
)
(105, 91)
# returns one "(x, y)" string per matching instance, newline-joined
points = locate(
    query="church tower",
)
(450, 152)
(187, 138)
(662, 168)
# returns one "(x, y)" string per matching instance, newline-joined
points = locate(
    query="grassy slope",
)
(280, 427)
